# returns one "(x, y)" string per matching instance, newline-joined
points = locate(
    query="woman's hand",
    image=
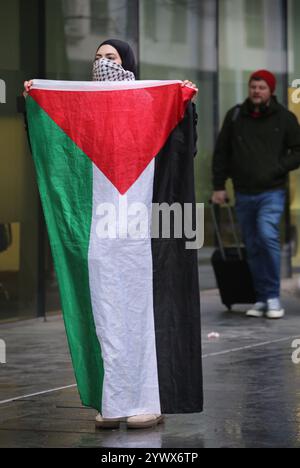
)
(27, 87)
(191, 85)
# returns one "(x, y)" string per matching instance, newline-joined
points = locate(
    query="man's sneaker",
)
(275, 309)
(257, 310)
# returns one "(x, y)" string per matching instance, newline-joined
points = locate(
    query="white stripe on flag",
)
(55, 85)
(121, 284)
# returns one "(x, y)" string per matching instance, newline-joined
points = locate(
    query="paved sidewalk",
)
(252, 396)
(291, 286)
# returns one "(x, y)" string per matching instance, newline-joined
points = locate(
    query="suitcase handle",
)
(218, 232)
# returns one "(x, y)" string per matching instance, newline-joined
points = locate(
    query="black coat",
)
(257, 153)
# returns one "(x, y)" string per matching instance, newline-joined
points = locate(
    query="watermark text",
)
(296, 353)
(158, 221)
(2, 352)
(296, 93)
(2, 92)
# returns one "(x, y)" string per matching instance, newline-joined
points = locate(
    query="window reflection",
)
(294, 73)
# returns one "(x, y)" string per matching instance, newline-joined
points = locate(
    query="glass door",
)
(18, 191)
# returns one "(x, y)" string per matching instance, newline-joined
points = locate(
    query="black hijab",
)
(125, 52)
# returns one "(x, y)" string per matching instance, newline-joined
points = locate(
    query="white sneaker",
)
(143, 421)
(257, 310)
(275, 309)
(104, 423)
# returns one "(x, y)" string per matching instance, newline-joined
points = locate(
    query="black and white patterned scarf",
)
(107, 70)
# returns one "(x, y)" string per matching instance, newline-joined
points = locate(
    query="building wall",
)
(18, 191)
(216, 43)
(294, 73)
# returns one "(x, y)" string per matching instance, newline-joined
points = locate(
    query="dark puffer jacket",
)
(256, 152)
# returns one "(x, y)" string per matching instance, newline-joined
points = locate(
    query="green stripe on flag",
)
(65, 179)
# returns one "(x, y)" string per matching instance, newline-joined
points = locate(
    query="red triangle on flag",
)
(121, 131)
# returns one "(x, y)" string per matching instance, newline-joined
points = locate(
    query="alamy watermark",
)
(2, 352)
(159, 220)
(296, 353)
(2, 92)
(296, 94)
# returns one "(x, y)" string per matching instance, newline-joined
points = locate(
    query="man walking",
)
(258, 146)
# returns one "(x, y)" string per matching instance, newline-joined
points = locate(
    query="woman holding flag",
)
(144, 294)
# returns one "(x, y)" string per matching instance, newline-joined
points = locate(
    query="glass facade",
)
(294, 74)
(18, 192)
(178, 40)
(249, 40)
(215, 43)
(252, 36)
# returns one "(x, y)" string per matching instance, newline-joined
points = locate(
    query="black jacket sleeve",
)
(292, 141)
(220, 166)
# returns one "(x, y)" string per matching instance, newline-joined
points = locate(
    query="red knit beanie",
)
(266, 76)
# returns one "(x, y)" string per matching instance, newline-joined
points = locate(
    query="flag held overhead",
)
(131, 306)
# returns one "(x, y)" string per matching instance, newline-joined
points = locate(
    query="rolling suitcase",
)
(231, 269)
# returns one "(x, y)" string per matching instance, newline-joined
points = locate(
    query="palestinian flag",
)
(130, 303)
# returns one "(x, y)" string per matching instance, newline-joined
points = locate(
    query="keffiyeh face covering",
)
(107, 70)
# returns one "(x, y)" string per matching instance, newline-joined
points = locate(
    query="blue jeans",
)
(259, 217)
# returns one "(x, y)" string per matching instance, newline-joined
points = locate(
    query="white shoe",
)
(107, 423)
(257, 310)
(143, 421)
(275, 309)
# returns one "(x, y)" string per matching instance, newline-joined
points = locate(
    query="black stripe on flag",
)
(175, 281)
